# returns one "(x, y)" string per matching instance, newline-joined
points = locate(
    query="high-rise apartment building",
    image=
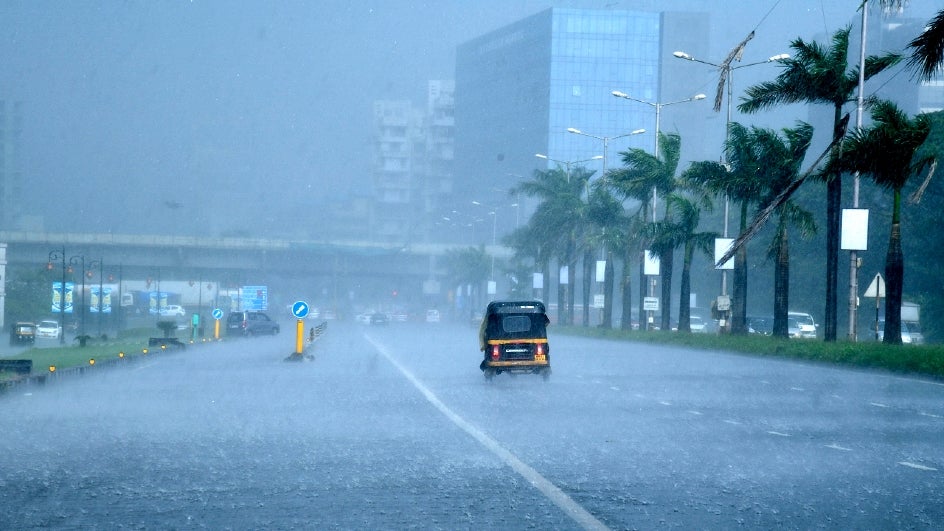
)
(11, 174)
(412, 166)
(519, 89)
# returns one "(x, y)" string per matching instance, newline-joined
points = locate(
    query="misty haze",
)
(471, 265)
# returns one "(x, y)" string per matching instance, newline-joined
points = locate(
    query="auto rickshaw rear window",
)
(516, 323)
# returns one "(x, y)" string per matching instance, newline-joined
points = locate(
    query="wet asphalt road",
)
(395, 427)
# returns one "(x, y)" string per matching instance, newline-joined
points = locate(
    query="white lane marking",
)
(797, 389)
(664, 403)
(917, 466)
(551, 491)
(729, 421)
(778, 434)
(693, 412)
(614, 388)
(878, 404)
(932, 415)
(835, 446)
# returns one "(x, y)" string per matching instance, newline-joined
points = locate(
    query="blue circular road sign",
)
(217, 313)
(300, 309)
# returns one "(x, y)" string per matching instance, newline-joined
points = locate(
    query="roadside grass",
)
(129, 344)
(925, 360)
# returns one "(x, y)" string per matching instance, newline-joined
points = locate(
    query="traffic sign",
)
(876, 288)
(300, 309)
(650, 304)
(217, 314)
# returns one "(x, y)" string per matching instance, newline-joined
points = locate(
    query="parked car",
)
(806, 323)
(250, 324)
(906, 338)
(48, 329)
(760, 325)
(173, 310)
(23, 333)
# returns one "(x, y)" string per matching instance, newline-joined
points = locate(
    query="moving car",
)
(48, 329)
(174, 310)
(378, 318)
(23, 333)
(513, 338)
(250, 324)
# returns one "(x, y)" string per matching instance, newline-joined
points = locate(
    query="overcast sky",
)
(248, 109)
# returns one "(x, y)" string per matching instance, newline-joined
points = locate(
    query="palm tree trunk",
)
(643, 321)
(739, 283)
(894, 275)
(833, 212)
(685, 289)
(608, 284)
(782, 282)
(665, 272)
(587, 285)
(571, 291)
(626, 283)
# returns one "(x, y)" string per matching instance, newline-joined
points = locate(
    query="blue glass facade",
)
(519, 88)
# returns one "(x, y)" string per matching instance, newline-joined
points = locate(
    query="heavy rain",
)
(452, 265)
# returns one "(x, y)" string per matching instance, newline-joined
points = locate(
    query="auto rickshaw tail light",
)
(539, 350)
(496, 352)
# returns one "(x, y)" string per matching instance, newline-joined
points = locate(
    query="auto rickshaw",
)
(513, 338)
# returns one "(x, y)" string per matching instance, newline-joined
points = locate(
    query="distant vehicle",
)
(173, 310)
(795, 330)
(513, 338)
(697, 324)
(806, 323)
(378, 318)
(906, 337)
(48, 329)
(363, 318)
(250, 324)
(432, 316)
(23, 333)
(760, 325)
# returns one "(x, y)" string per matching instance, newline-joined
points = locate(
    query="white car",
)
(173, 310)
(48, 329)
(432, 316)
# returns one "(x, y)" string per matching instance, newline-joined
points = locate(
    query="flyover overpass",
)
(333, 269)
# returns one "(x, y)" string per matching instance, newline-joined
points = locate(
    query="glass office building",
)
(519, 89)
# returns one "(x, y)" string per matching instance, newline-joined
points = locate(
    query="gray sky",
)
(260, 109)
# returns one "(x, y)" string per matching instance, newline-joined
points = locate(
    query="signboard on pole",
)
(722, 246)
(62, 300)
(255, 298)
(855, 230)
(651, 265)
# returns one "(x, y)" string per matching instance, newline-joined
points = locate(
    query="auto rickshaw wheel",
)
(546, 374)
(489, 373)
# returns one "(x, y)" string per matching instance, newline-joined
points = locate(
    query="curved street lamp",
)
(73, 261)
(567, 163)
(59, 255)
(727, 71)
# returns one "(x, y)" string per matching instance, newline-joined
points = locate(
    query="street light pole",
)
(727, 74)
(658, 107)
(60, 255)
(76, 260)
(91, 266)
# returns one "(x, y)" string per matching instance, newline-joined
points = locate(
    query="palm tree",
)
(561, 216)
(886, 151)
(737, 179)
(606, 215)
(642, 173)
(927, 54)
(686, 215)
(816, 74)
